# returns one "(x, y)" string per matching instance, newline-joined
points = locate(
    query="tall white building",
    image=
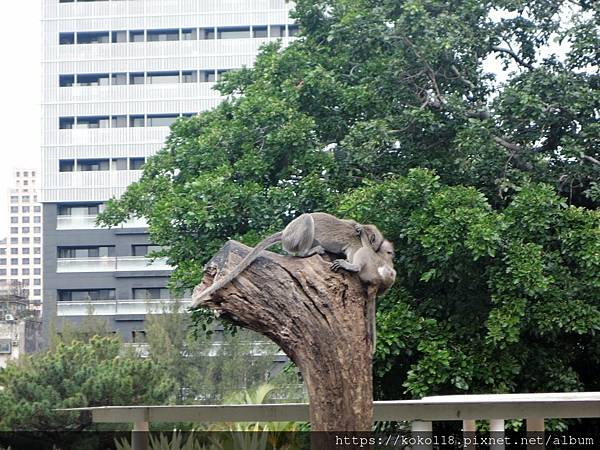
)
(116, 74)
(21, 251)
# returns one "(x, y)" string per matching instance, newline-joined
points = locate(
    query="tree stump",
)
(316, 316)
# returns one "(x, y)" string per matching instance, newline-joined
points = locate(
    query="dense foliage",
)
(78, 374)
(387, 111)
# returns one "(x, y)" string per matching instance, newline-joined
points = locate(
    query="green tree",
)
(78, 374)
(215, 367)
(497, 252)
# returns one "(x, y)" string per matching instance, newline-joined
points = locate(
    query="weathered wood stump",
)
(316, 316)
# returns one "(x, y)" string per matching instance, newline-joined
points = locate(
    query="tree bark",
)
(316, 316)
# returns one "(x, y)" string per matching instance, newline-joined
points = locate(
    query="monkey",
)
(307, 235)
(375, 268)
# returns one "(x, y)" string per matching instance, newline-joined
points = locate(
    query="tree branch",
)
(514, 56)
(591, 159)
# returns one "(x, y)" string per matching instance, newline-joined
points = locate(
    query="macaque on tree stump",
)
(318, 317)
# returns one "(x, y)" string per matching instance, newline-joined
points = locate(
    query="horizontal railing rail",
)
(466, 408)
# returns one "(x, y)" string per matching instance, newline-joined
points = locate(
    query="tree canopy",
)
(485, 179)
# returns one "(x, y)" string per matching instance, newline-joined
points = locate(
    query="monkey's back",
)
(335, 235)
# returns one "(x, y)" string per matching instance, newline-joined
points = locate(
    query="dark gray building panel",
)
(123, 282)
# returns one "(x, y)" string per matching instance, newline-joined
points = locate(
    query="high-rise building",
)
(21, 251)
(116, 74)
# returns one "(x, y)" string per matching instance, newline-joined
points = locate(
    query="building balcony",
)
(117, 307)
(111, 264)
(89, 222)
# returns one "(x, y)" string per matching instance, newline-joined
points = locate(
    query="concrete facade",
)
(116, 74)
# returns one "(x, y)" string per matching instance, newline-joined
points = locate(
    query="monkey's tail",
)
(250, 257)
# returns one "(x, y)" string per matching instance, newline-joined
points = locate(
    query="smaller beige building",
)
(20, 328)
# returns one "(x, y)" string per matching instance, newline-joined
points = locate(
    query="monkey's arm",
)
(343, 264)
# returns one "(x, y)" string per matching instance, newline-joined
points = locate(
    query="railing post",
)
(469, 430)
(497, 433)
(423, 430)
(535, 433)
(139, 436)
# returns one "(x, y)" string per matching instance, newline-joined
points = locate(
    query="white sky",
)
(20, 93)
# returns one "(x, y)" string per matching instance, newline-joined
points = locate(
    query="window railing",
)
(110, 264)
(116, 307)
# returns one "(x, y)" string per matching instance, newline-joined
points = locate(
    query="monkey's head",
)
(386, 251)
(374, 235)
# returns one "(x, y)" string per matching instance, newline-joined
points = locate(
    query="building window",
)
(207, 76)
(2, 261)
(14, 251)
(86, 252)
(14, 209)
(189, 76)
(25, 240)
(136, 163)
(151, 294)
(136, 121)
(119, 79)
(207, 33)
(66, 38)
(93, 79)
(138, 336)
(14, 240)
(189, 34)
(137, 36)
(80, 295)
(277, 30)
(2, 271)
(25, 198)
(25, 229)
(14, 230)
(93, 122)
(293, 30)
(37, 219)
(37, 209)
(37, 282)
(66, 80)
(25, 271)
(66, 165)
(93, 37)
(25, 261)
(162, 35)
(25, 219)
(161, 120)
(233, 33)
(14, 272)
(14, 261)
(14, 219)
(78, 210)
(37, 240)
(37, 260)
(37, 292)
(120, 164)
(5, 346)
(26, 250)
(37, 229)
(137, 78)
(144, 249)
(14, 199)
(66, 123)
(37, 251)
(93, 165)
(119, 121)
(162, 77)
(25, 209)
(119, 37)
(37, 271)
(260, 32)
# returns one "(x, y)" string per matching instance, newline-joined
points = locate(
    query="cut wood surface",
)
(316, 316)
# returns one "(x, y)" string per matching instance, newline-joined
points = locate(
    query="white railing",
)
(465, 408)
(111, 264)
(89, 222)
(116, 307)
